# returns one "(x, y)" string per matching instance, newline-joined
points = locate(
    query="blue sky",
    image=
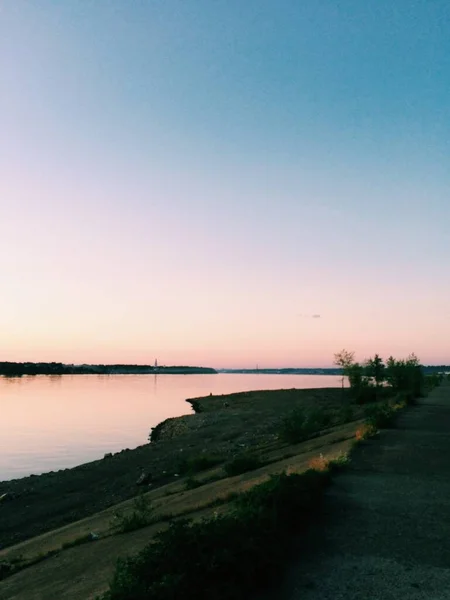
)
(183, 179)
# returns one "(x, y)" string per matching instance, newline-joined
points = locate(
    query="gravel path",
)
(387, 524)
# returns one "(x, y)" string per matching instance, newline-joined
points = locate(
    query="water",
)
(54, 422)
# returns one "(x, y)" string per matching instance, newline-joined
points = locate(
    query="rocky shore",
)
(222, 426)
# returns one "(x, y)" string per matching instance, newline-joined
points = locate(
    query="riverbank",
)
(226, 426)
(235, 443)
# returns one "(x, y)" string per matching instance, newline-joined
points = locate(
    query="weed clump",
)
(322, 464)
(319, 463)
(140, 516)
(192, 483)
(365, 432)
(380, 415)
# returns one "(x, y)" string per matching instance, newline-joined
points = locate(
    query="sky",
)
(224, 183)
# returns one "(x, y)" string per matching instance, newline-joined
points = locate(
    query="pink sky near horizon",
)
(174, 198)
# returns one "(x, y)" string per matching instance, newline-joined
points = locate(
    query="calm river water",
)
(50, 423)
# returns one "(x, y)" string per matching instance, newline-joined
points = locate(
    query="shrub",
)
(320, 463)
(366, 393)
(433, 380)
(141, 516)
(317, 418)
(380, 415)
(195, 464)
(407, 398)
(375, 370)
(338, 462)
(355, 374)
(300, 424)
(192, 483)
(365, 432)
(225, 557)
(241, 464)
(406, 375)
(401, 376)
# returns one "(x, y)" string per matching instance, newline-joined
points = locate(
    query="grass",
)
(227, 556)
(83, 539)
(346, 413)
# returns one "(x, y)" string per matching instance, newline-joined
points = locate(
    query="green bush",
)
(192, 483)
(406, 375)
(433, 380)
(301, 424)
(365, 393)
(368, 381)
(241, 464)
(369, 393)
(141, 516)
(379, 415)
(227, 557)
(196, 464)
(355, 374)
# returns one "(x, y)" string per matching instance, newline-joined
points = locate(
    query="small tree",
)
(416, 378)
(375, 369)
(355, 373)
(345, 360)
(405, 376)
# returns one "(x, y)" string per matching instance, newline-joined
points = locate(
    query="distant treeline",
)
(436, 369)
(317, 371)
(15, 369)
(288, 371)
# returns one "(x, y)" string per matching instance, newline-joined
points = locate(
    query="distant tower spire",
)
(156, 364)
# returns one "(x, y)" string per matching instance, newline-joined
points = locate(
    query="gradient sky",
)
(193, 180)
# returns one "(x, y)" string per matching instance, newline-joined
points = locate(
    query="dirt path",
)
(387, 529)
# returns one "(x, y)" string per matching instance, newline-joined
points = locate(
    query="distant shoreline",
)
(14, 369)
(286, 371)
(18, 369)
